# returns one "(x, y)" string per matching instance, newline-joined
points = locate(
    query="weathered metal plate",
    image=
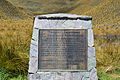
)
(64, 49)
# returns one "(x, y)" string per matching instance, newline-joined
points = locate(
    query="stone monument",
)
(62, 48)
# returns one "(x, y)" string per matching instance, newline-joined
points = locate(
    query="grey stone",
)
(59, 76)
(44, 24)
(93, 74)
(34, 77)
(37, 23)
(67, 75)
(34, 48)
(63, 76)
(91, 63)
(72, 24)
(47, 75)
(35, 34)
(77, 76)
(87, 25)
(63, 15)
(86, 74)
(91, 52)
(90, 38)
(64, 24)
(90, 74)
(33, 65)
(33, 51)
(85, 78)
(34, 42)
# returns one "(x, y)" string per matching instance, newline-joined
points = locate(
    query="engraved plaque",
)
(63, 49)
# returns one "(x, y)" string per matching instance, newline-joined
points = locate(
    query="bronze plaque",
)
(63, 49)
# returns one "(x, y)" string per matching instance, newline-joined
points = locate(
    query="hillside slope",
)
(44, 6)
(85, 6)
(106, 14)
(8, 11)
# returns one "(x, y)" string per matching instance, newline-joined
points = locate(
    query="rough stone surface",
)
(33, 50)
(90, 38)
(35, 74)
(33, 65)
(91, 52)
(91, 63)
(63, 15)
(35, 34)
(35, 43)
(91, 75)
(77, 76)
(87, 25)
(63, 24)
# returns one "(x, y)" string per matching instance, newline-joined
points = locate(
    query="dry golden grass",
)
(8, 11)
(14, 45)
(107, 14)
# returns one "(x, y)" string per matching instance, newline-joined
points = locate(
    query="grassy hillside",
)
(107, 13)
(85, 6)
(104, 12)
(44, 6)
(8, 11)
(15, 39)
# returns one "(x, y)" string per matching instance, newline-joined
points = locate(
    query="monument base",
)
(90, 75)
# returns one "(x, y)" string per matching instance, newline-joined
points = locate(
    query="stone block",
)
(93, 74)
(63, 24)
(85, 78)
(77, 75)
(91, 52)
(90, 38)
(91, 63)
(33, 51)
(35, 43)
(37, 23)
(35, 34)
(33, 65)
(87, 25)
(72, 24)
(64, 15)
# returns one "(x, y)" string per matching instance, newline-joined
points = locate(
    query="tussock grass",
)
(5, 75)
(9, 11)
(14, 46)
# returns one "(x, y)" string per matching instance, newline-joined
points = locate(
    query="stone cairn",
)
(62, 70)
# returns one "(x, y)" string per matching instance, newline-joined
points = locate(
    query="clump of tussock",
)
(14, 47)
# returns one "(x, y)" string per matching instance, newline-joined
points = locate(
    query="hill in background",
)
(8, 11)
(106, 13)
(103, 11)
(44, 6)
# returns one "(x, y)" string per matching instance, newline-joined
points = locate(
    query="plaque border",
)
(65, 70)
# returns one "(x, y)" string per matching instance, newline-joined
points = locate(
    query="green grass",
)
(6, 75)
(20, 77)
(114, 75)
